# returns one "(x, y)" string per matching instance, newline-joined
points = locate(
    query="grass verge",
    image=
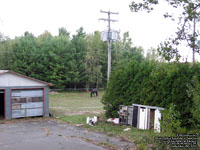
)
(144, 139)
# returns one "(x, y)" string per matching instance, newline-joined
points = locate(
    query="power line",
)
(62, 56)
(48, 55)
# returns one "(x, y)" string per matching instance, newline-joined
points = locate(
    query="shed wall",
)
(9, 79)
(8, 106)
(27, 102)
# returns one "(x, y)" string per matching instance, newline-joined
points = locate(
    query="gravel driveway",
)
(53, 135)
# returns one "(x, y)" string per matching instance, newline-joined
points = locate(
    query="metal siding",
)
(4, 103)
(46, 101)
(7, 103)
(143, 118)
(27, 93)
(27, 112)
(32, 105)
(130, 115)
(146, 118)
(16, 106)
(27, 109)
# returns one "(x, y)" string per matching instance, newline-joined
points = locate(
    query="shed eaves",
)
(9, 71)
(3, 71)
(152, 107)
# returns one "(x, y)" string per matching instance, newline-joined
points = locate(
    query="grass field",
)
(143, 139)
(74, 107)
(75, 103)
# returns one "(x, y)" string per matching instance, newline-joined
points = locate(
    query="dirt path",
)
(67, 111)
(53, 135)
(78, 107)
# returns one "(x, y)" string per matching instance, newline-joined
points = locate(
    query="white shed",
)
(22, 96)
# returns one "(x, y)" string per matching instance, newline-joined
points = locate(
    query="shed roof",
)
(3, 72)
(151, 107)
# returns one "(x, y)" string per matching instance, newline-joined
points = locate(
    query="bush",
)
(155, 84)
(194, 92)
(170, 123)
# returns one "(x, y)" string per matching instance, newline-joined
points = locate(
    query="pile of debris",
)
(141, 116)
(92, 121)
(138, 116)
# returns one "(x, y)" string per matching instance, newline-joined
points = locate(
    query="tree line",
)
(77, 61)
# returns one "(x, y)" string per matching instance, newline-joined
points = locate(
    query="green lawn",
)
(144, 139)
(73, 103)
(74, 107)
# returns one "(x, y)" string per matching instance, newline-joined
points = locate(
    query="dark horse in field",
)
(93, 92)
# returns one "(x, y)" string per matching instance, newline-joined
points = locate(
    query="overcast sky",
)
(36, 16)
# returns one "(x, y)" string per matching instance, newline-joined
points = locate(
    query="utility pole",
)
(109, 38)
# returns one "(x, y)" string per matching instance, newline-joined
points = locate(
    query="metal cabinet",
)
(140, 116)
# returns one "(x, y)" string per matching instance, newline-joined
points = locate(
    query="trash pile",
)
(92, 121)
(95, 119)
(113, 120)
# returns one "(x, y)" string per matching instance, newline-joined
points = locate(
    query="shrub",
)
(155, 84)
(194, 92)
(170, 123)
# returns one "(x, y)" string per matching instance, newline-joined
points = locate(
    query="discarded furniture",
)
(141, 116)
(125, 115)
(91, 121)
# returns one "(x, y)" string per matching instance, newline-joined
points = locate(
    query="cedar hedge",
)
(152, 83)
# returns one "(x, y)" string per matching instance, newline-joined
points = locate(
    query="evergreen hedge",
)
(152, 83)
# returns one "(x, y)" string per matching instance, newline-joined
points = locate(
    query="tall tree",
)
(63, 32)
(55, 59)
(123, 51)
(186, 32)
(78, 46)
(94, 60)
(23, 59)
(5, 52)
(153, 55)
(77, 62)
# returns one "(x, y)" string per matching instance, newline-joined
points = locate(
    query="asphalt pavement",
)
(54, 135)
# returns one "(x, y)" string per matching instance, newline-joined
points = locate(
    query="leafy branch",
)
(186, 32)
